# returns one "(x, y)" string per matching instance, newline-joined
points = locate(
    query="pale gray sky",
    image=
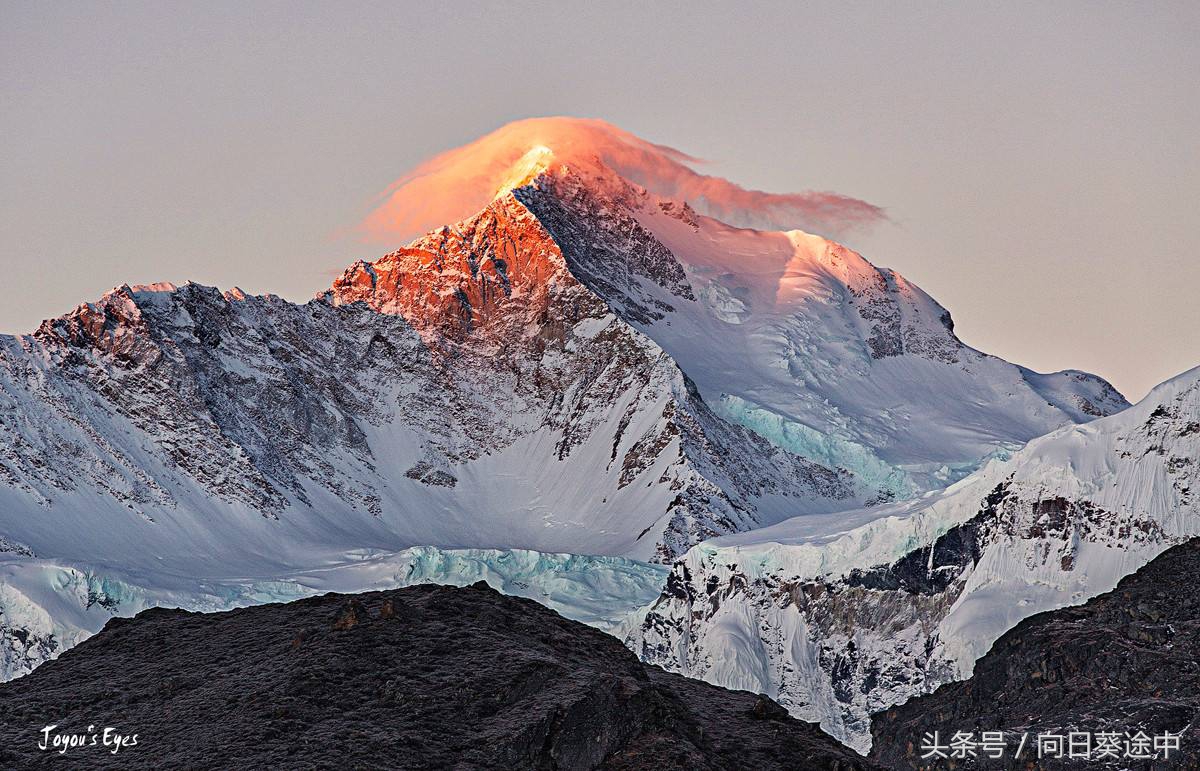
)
(1039, 160)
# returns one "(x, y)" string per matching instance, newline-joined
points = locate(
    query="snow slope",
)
(841, 616)
(807, 343)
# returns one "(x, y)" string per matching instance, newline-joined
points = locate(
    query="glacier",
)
(48, 606)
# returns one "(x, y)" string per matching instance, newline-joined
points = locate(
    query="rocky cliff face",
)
(154, 393)
(1121, 664)
(838, 625)
(427, 677)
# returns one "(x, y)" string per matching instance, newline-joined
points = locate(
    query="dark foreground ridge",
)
(422, 677)
(1125, 661)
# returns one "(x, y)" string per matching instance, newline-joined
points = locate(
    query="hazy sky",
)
(1039, 161)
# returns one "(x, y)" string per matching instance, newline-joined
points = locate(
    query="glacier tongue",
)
(841, 616)
(48, 606)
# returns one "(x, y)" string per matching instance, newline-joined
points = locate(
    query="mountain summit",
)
(792, 335)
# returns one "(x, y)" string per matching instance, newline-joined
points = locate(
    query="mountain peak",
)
(528, 167)
(496, 267)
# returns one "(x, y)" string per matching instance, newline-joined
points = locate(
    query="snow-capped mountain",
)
(514, 409)
(795, 336)
(583, 364)
(839, 617)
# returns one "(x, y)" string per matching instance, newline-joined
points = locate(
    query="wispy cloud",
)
(459, 182)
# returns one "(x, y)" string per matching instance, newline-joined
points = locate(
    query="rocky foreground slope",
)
(1125, 662)
(424, 677)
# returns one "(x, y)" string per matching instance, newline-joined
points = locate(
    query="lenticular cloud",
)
(459, 182)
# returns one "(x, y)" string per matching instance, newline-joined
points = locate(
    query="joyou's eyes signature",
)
(112, 739)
